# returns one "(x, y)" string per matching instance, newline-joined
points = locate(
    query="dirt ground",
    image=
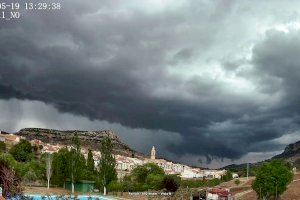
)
(293, 191)
(243, 182)
(45, 191)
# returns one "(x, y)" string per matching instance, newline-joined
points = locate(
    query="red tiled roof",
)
(11, 137)
(222, 192)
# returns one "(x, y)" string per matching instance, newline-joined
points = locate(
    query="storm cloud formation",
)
(221, 76)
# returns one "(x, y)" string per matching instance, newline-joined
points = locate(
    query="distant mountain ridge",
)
(89, 139)
(290, 154)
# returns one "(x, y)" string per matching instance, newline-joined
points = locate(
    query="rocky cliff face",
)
(89, 139)
(290, 153)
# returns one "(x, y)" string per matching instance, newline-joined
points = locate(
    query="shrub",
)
(2, 146)
(171, 183)
(237, 181)
(140, 173)
(227, 176)
(22, 151)
(30, 177)
(115, 186)
(9, 180)
(154, 181)
(127, 184)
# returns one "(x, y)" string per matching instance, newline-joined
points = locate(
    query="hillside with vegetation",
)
(291, 155)
(22, 166)
(89, 139)
(33, 169)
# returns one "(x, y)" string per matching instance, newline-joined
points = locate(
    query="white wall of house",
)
(211, 196)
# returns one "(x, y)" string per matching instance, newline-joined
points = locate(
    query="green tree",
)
(90, 162)
(272, 180)
(141, 172)
(127, 184)
(22, 151)
(147, 176)
(171, 183)
(30, 177)
(2, 146)
(107, 171)
(9, 159)
(89, 172)
(154, 181)
(13, 164)
(60, 167)
(227, 176)
(36, 166)
(76, 162)
(115, 186)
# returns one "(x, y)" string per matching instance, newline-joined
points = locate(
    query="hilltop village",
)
(124, 164)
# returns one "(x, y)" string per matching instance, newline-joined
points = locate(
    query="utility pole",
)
(247, 171)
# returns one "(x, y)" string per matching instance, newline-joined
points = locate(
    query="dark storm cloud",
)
(7, 91)
(94, 60)
(277, 57)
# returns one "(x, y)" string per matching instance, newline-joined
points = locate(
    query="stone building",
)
(153, 153)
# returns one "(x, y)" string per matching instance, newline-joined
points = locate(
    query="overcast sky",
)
(209, 83)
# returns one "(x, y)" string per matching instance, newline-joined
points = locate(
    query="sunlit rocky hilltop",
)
(89, 139)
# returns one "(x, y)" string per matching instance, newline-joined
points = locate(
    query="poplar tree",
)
(48, 169)
(107, 171)
(60, 166)
(90, 162)
(76, 162)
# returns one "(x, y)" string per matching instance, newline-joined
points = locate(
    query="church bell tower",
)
(153, 152)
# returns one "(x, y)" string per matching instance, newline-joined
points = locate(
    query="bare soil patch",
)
(46, 191)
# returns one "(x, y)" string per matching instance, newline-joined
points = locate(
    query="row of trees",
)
(67, 164)
(70, 164)
(146, 177)
(152, 177)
